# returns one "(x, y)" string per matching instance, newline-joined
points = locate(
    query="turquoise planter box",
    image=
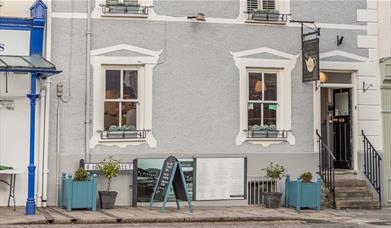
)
(302, 195)
(78, 194)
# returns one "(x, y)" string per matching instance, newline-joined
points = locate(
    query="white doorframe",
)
(317, 110)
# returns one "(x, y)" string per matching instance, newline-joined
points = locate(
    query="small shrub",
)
(306, 177)
(274, 171)
(109, 168)
(81, 175)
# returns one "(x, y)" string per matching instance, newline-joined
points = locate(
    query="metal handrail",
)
(372, 165)
(124, 134)
(326, 167)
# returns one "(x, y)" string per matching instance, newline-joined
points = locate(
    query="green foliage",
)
(274, 171)
(81, 175)
(109, 168)
(306, 177)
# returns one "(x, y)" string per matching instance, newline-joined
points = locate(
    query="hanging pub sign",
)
(310, 58)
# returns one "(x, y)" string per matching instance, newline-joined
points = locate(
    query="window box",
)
(266, 15)
(124, 7)
(78, 194)
(123, 134)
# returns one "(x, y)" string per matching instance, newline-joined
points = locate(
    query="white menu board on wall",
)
(220, 178)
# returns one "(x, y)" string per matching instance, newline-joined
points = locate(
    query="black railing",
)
(266, 133)
(131, 134)
(326, 167)
(266, 16)
(372, 165)
(126, 7)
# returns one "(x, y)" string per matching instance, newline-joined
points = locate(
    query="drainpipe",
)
(58, 153)
(41, 145)
(87, 156)
(46, 144)
(48, 54)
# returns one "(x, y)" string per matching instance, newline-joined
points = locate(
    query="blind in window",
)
(261, 5)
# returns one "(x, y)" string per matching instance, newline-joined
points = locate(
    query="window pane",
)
(270, 87)
(113, 84)
(255, 86)
(111, 117)
(254, 114)
(129, 115)
(270, 115)
(130, 84)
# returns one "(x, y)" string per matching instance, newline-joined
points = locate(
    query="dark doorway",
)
(342, 133)
(336, 127)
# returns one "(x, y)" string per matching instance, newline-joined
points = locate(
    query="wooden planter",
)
(78, 194)
(302, 195)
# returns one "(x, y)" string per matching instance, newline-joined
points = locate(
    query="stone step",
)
(350, 183)
(345, 172)
(357, 203)
(353, 193)
(348, 189)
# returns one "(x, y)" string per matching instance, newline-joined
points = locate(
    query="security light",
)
(198, 17)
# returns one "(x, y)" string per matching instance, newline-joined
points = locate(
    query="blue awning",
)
(27, 64)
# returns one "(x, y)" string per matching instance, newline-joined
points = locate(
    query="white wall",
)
(15, 8)
(384, 25)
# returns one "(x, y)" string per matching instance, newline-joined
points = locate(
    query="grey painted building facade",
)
(193, 81)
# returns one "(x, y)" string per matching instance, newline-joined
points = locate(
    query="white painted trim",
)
(145, 67)
(284, 68)
(343, 54)
(361, 67)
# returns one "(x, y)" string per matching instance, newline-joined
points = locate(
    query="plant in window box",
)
(124, 132)
(303, 193)
(265, 15)
(78, 192)
(274, 172)
(265, 131)
(110, 169)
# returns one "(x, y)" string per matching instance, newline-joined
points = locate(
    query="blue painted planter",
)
(302, 195)
(78, 194)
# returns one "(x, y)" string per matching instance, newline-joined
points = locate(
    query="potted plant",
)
(274, 172)
(78, 192)
(109, 168)
(303, 193)
(265, 131)
(266, 15)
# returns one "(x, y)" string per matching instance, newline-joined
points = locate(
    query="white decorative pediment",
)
(124, 50)
(263, 51)
(337, 56)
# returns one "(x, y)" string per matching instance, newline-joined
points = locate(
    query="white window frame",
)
(283, 65)
(279, 94)
(140, 93)
(142, 59)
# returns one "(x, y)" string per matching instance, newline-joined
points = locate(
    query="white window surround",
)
(144, 60)
(283, 65)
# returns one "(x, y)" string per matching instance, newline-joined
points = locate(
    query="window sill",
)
(122, 143)
(142, 16)
(266, 22)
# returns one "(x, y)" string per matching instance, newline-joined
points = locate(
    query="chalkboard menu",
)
(171, 175)
(163, 182)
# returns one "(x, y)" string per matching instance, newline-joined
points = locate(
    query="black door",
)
(342, 128)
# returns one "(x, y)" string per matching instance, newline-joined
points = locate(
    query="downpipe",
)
(87, 155)
(46, 145)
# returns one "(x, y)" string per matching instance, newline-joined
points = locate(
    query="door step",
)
(350, 183)
(357, 203)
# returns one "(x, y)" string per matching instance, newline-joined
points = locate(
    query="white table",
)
(12, 173)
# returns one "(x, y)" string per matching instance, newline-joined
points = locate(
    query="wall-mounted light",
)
(198, 17)
(339, 40)
(322, 77)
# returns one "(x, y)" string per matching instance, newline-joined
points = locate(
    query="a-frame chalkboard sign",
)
(171, 176)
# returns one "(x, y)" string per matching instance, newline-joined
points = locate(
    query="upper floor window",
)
(124, 7)
(265, 10)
